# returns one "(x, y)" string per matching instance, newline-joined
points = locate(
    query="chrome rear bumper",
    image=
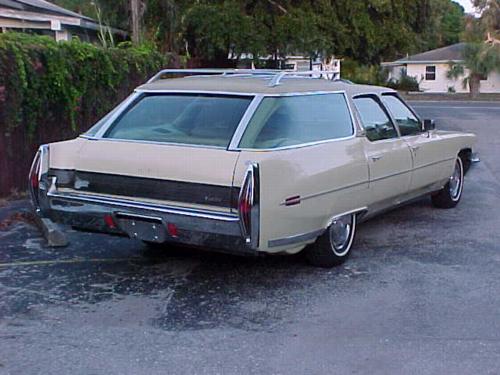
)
(204, 228)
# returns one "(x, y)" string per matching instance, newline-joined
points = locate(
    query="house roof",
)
(41, 10)
(41, 6)
(444, 54)
(257, 85)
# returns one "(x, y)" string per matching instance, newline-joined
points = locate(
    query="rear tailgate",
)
(180, 175)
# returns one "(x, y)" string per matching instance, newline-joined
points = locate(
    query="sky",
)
(467, 4)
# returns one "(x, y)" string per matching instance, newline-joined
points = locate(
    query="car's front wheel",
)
(450, 194)
(334, 245)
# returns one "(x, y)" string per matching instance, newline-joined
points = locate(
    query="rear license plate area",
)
(144, 228)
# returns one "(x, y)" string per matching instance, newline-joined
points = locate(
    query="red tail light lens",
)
(248, 206)
(35, 178)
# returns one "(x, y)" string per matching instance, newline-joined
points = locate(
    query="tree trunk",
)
(135, 10)
(474, 84)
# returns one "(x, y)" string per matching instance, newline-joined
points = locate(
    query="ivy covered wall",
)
(54, 91)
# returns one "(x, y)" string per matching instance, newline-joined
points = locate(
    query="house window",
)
(430, 73)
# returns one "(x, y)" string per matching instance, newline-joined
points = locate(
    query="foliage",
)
(405, 83)
(367, 31)
(455, 70)
(490, 15)
(70, 83)
(481, 57)
(363, 74)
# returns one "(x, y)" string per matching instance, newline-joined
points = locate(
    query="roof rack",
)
(275, 75)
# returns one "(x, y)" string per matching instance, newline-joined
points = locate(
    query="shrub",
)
(405, 83)
(51, 91)
(363, 74)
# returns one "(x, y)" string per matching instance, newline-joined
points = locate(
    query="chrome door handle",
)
(376, 157)
(415, 148)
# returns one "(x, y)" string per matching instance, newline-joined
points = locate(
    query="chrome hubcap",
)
(340, 234)
(456, 181)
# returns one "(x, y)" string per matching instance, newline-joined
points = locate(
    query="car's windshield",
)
(196, 119)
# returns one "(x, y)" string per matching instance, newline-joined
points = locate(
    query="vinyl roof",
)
(257, 85)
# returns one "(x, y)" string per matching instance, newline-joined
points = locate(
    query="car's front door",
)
(389, 157)
(426, 148)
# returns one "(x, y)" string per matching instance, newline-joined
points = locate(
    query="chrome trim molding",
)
(40, 166)
(355, 211)
(116, 113)
(315, 195)
(126, 215)
(205, 214)
(304, 237)
(291, 240)
(291, 147)
(240, 129)
(160, 143)
(207, 92)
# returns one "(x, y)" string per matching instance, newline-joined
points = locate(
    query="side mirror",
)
(428, 124)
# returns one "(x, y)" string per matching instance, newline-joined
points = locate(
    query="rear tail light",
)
(39, 167)
(248, 206)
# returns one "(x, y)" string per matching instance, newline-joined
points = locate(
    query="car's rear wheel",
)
(334, 245)
(450, 194)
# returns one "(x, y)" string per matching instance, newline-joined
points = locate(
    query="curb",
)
(53, 234)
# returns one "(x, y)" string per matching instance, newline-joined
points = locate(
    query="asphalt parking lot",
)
(420, 294)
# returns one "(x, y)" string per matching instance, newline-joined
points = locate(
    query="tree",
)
(480, 59)
(367, 31)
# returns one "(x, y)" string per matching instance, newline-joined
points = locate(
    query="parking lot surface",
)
(420, 294)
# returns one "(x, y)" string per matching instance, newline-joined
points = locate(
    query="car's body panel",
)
(330, 178)
(300, 188)
(390, 166)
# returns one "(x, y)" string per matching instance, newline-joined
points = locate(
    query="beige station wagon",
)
(249, 162)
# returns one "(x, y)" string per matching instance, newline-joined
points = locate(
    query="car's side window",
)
(407, 122)
(296, 120)
(374, 119)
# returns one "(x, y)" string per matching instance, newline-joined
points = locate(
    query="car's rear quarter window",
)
(196, 119)
(294, 120)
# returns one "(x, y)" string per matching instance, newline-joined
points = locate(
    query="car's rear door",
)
(388, 155)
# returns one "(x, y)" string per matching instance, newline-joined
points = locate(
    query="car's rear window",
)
(195, 119)
(295, 120)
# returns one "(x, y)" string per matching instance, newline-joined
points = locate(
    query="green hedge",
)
(51, 91)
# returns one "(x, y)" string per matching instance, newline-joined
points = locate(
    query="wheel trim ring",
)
(348, 242)
(456, 181)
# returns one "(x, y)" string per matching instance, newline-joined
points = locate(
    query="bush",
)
(51, 91)
(363, 74)
(405, 83)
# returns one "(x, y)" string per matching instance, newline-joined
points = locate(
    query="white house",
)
(430, 69)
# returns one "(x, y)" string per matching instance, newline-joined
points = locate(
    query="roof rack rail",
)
(302, 74)
(212, 71)
(275, 74)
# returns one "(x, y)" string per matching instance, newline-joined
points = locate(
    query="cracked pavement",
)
(420, 294)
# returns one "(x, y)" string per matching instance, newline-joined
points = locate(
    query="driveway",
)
(420, 294)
